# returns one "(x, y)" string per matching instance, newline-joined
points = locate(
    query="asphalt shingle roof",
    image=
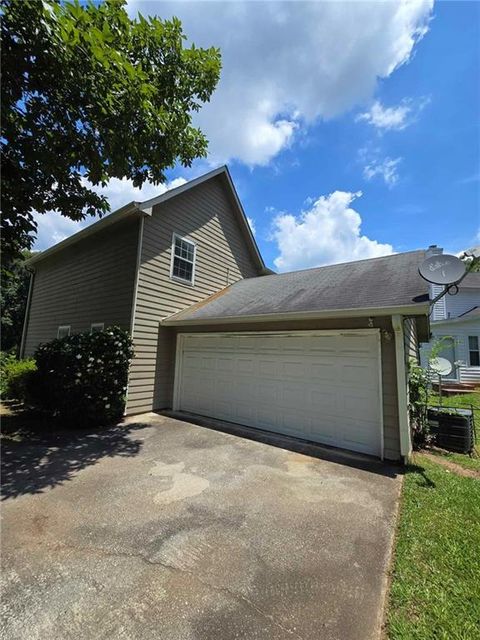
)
(389, 281)
(471, 281)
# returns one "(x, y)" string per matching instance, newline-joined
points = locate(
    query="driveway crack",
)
(170, 567)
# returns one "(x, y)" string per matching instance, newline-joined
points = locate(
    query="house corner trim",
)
(402, 394)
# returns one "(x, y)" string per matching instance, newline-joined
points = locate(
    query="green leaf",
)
(101, 95)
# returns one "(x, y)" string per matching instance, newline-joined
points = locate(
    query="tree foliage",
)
(90, 94)
(13, 299)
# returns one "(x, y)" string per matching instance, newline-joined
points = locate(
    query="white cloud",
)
(327, 233)
(386, 117)
(52, 227)
(252, 226)
(389, 118)
(286, 64)
(387, 169)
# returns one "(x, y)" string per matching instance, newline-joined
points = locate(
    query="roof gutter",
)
(417, 309)
(124, 212)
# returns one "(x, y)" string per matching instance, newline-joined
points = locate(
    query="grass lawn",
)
(466, 401)
(435, 589)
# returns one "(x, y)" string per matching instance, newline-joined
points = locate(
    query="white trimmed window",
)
(183, 259)
(474, 351)
(96, 326)
(63, 331)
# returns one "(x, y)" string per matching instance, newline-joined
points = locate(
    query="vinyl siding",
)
(439, 310)
(389, 379)
(459, 331)
(206, 216)
(91, 281)
(464, 301)
(411, 340)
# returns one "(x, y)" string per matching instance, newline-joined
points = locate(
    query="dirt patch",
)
(452, 466)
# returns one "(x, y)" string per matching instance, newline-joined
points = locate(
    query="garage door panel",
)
(225, 364)
(292, 395)
(244, 413)
(357, 435)
(245, 365)
(363, 374)
(323, 371)
(268, 368)
(293, 368)
(323, 400)
(361, 405)
(322, 387)
(268, 392)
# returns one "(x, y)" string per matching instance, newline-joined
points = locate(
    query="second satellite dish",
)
(441, 366)
(442, 269)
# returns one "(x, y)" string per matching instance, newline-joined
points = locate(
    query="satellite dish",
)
(442, 366)
(442, 269)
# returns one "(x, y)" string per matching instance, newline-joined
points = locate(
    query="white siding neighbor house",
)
(456, 318)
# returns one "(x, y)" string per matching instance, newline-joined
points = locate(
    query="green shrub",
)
(6, 358)
(14, 376)
(82, 379)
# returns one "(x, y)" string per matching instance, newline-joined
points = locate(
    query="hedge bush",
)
(82, 378)
(14, 376)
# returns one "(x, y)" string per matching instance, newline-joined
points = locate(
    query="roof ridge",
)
(338, 264)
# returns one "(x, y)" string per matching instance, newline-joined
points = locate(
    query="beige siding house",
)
(92, 282)
(319, 354)
(223, 254)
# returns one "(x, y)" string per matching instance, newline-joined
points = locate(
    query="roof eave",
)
(124, 212)
(146, 208)
(407, 310)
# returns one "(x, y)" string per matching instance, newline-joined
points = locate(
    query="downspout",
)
(402, 393)
(27, 313)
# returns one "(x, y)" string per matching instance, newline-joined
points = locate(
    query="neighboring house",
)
(318, 354)
(456, 320)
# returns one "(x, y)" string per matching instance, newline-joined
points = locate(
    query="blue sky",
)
(351, 130)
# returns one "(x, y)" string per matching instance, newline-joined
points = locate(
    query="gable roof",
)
(471, 281)
(135, 208)
(378, 286)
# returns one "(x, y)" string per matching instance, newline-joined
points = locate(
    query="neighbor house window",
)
(183, 259)
(63, 331)
(96, 326)
(473, 350)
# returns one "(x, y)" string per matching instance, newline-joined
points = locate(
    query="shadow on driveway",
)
(37, 454)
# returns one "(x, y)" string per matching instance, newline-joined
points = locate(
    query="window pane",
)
(182, 269)
(184, 249)
(474, 359)
(63, 331)
(473, 343)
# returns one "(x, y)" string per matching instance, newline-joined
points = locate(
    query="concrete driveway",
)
(163, 529)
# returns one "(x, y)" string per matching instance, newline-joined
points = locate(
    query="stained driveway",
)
(169, 530)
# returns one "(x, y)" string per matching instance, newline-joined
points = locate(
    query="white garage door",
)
(323, 387)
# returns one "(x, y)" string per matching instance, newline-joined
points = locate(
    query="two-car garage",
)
(322, 386)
